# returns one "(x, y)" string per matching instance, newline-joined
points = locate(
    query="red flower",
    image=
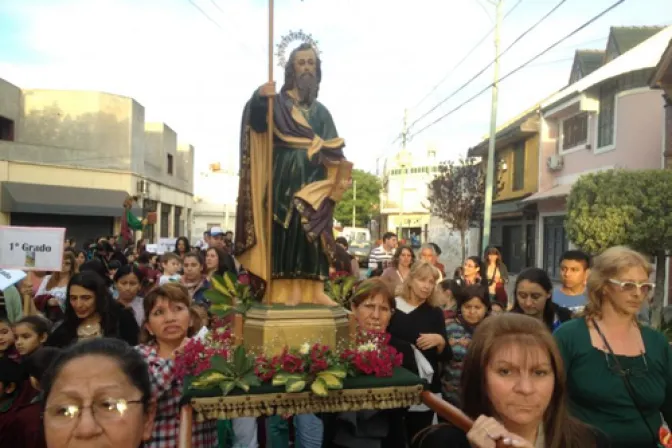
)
(292, 363)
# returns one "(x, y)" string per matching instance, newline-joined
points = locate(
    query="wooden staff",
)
(269, 186)
(451, 413)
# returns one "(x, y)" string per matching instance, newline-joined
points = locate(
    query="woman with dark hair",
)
(474, 271)
(497, 275)
(164, 334)
(217, 262)
(473, 305)
(532, 296)
(399, 268)
(98, 393)
(90, 312)
(514, 388)
(51, 296)
(182, 247)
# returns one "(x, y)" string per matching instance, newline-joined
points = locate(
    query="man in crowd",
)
(574, 269)
(381, 255)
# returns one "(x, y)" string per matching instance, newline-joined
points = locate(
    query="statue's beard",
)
(307, 87)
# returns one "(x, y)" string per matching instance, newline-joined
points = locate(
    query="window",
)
(575, 131)
(177, 222)
(518, 166)
(170, 164)
(6, 129)
(607, 117)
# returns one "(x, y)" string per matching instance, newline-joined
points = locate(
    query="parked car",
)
(361, 251)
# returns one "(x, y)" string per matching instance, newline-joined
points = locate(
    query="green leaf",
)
(217, 298)
(230, 280)
(221, 310)
(252, 379)
(219, 284)
(240, 384)
(240, 359)
(220, 364)
(319, 387)
(209, 378)
(226, 387)
(337, 371)
(282, 378)
(294, 386)
(331, 381)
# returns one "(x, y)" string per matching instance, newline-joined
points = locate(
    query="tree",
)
(367, 204)
(457, 195)
(630, 208)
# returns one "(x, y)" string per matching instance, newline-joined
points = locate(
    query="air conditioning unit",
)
(555, 162)
(143, 187)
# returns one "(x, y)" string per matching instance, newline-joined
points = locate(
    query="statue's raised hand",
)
(268, 89)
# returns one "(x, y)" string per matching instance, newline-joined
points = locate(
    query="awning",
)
(59, 200)
(559, 191)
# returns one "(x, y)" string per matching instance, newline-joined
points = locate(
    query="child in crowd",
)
(15, 393)
(30, 333)
(26, 430)
(7, 349)
(496, 308)
(447, 292)
(574, 269)
(171, 264)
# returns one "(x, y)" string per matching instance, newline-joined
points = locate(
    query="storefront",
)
(514, 232)
(85, 213)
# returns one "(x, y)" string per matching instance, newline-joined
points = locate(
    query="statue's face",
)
(305, 61)
(305, 81)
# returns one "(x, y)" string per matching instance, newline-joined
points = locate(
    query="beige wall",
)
(10, 101)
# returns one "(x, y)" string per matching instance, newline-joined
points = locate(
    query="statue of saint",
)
(310, 174)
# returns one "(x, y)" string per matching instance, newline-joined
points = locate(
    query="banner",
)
(31, 248)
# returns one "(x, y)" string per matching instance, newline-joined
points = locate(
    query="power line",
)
(466, 56)
(520, 67)
(480, 72)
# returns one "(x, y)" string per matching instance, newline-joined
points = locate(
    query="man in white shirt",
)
(381, 256)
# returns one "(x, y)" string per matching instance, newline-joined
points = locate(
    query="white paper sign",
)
(166, 245)
(31, 248)
(10, 277)
(152, 248)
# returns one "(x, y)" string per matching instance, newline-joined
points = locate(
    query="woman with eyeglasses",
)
(97, 394)
(619, 373)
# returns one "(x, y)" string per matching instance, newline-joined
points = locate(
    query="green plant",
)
(227, 375)
(229, 294)
(340, 289)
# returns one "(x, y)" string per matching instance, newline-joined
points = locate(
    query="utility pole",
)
(354, 203)
(403, 159)
(490, 175)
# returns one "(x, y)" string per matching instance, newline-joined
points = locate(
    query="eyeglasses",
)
(103, 411)
(637, 371)
(644, 288)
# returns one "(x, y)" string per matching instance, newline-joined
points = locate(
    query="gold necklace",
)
(89, 331)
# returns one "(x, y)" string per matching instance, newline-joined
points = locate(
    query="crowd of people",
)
(92, 363)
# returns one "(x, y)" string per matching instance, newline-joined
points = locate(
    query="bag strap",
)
(626, 381)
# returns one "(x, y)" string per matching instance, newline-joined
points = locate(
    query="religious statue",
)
(309, 176)
(130, 222)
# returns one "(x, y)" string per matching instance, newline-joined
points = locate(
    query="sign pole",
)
(269, 185)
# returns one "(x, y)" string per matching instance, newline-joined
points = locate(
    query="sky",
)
(194, 63)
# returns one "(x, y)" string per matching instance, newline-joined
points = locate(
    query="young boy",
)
(171, 264)
(574, 268)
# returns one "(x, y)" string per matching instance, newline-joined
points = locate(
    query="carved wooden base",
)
(270, 328)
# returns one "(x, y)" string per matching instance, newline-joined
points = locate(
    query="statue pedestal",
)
(271, 328)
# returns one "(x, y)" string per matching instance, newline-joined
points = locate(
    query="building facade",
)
(405, 180)
(607, 119)
(70, 158)
(513, 230)
(215, 200)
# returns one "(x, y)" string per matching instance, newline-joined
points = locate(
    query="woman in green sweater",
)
(619, 374)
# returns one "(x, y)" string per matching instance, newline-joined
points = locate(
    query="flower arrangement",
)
(340, 288)
(215, 362)
(373, 355)
(315, 365)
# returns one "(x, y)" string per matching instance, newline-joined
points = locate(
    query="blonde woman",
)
(619, 373)
(419, 323)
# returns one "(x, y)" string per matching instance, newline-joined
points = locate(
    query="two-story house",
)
(608, 117)
(662, 79)
(514, 226)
